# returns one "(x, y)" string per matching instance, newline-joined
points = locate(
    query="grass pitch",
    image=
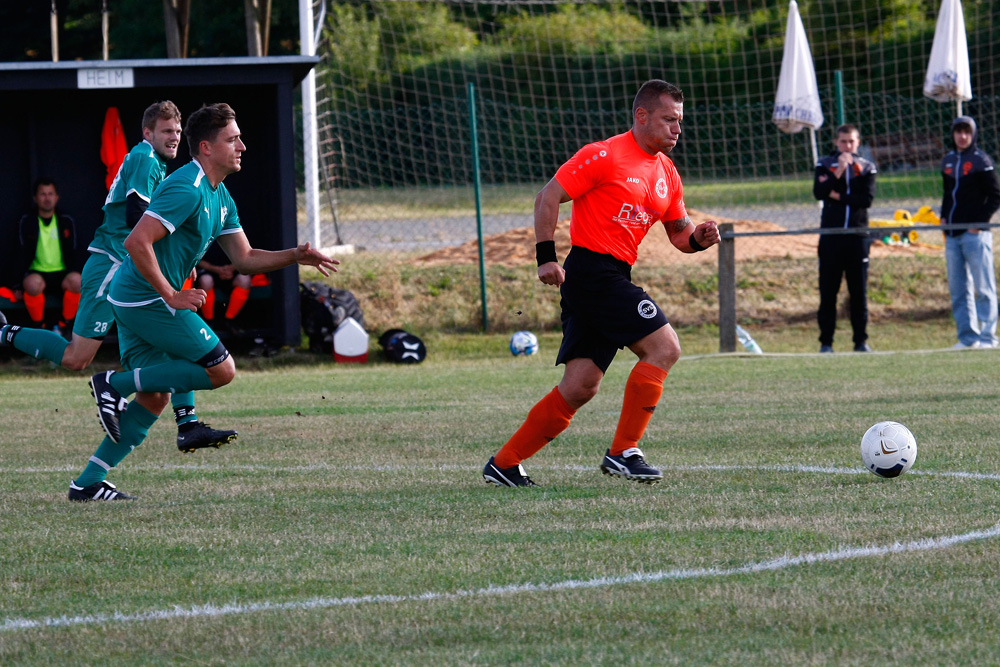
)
(350, 523)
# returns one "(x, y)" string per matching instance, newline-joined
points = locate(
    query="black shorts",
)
(602, 310)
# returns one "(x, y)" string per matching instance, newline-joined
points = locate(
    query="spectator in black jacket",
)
(971, 194)
(50, 260)
(845, 183)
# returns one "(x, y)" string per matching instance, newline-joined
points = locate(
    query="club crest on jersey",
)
(661, 188)
(647, 309)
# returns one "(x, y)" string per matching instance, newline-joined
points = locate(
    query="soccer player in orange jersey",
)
(620, 188)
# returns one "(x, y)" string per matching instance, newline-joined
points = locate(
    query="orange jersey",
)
(619, 191)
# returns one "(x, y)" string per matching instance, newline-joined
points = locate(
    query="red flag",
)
(113, 146)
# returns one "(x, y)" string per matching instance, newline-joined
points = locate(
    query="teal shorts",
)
(94, 316)
(152, 334)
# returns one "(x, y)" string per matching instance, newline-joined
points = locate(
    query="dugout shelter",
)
(53, 114)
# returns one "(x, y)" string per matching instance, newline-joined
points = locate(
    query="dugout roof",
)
(53, 114)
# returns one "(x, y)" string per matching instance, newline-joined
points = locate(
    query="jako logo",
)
(647, 309)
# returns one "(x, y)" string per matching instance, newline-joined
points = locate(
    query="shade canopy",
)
(948, 76)
(797, 105)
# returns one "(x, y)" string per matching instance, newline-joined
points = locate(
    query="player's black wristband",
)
(545, 252)
(697, 247)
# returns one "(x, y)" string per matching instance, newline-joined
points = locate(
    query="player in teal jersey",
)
(165, 346)
(143, 169)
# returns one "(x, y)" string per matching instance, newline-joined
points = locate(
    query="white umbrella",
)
(948, 75)
(797, 105)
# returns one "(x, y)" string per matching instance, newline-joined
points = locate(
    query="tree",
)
(176, 19)
(258, 26)
(144, 29)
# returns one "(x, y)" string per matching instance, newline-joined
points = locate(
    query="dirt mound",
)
(517, 247)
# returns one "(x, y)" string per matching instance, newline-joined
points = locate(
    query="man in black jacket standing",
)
(971, 194)
(845, 183)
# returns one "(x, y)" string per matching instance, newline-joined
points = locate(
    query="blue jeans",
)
(973, 286)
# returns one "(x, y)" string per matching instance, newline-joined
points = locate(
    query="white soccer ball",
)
(523, 343)
(888, 449)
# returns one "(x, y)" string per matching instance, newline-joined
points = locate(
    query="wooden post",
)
(727, 289)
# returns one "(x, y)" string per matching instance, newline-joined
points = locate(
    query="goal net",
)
(397, 167)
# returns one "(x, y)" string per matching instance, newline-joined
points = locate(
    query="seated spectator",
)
(50, 261)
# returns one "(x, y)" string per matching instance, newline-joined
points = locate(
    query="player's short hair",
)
(43, 180)
(650, 92)
(205, 124)
(847, 128)
(166, 110)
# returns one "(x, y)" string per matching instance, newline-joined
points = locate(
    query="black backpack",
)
(323, 309)
(402, 347)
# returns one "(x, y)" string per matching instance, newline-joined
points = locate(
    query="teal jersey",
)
(142, 170)
(195, 214)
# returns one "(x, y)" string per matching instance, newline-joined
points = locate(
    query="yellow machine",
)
(902, 218)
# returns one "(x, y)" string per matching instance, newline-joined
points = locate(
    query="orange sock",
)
(547, 419)
(237, 299)
(8, 294)
(642, 393)
(188, 284)
(208, 310)
(36, 306)
(71, 302)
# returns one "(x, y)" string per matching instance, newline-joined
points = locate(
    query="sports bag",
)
(402, 347)
(323, 308)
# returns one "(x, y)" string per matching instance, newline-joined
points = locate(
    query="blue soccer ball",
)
(523, 343)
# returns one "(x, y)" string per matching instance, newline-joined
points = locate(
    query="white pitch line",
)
(214, 467)
(771, 565)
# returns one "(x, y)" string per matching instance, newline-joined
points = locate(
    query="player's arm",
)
(546, 218)
(139, 245)
(688, 237)
(141, 182)
(249, 260)
(135, 208)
